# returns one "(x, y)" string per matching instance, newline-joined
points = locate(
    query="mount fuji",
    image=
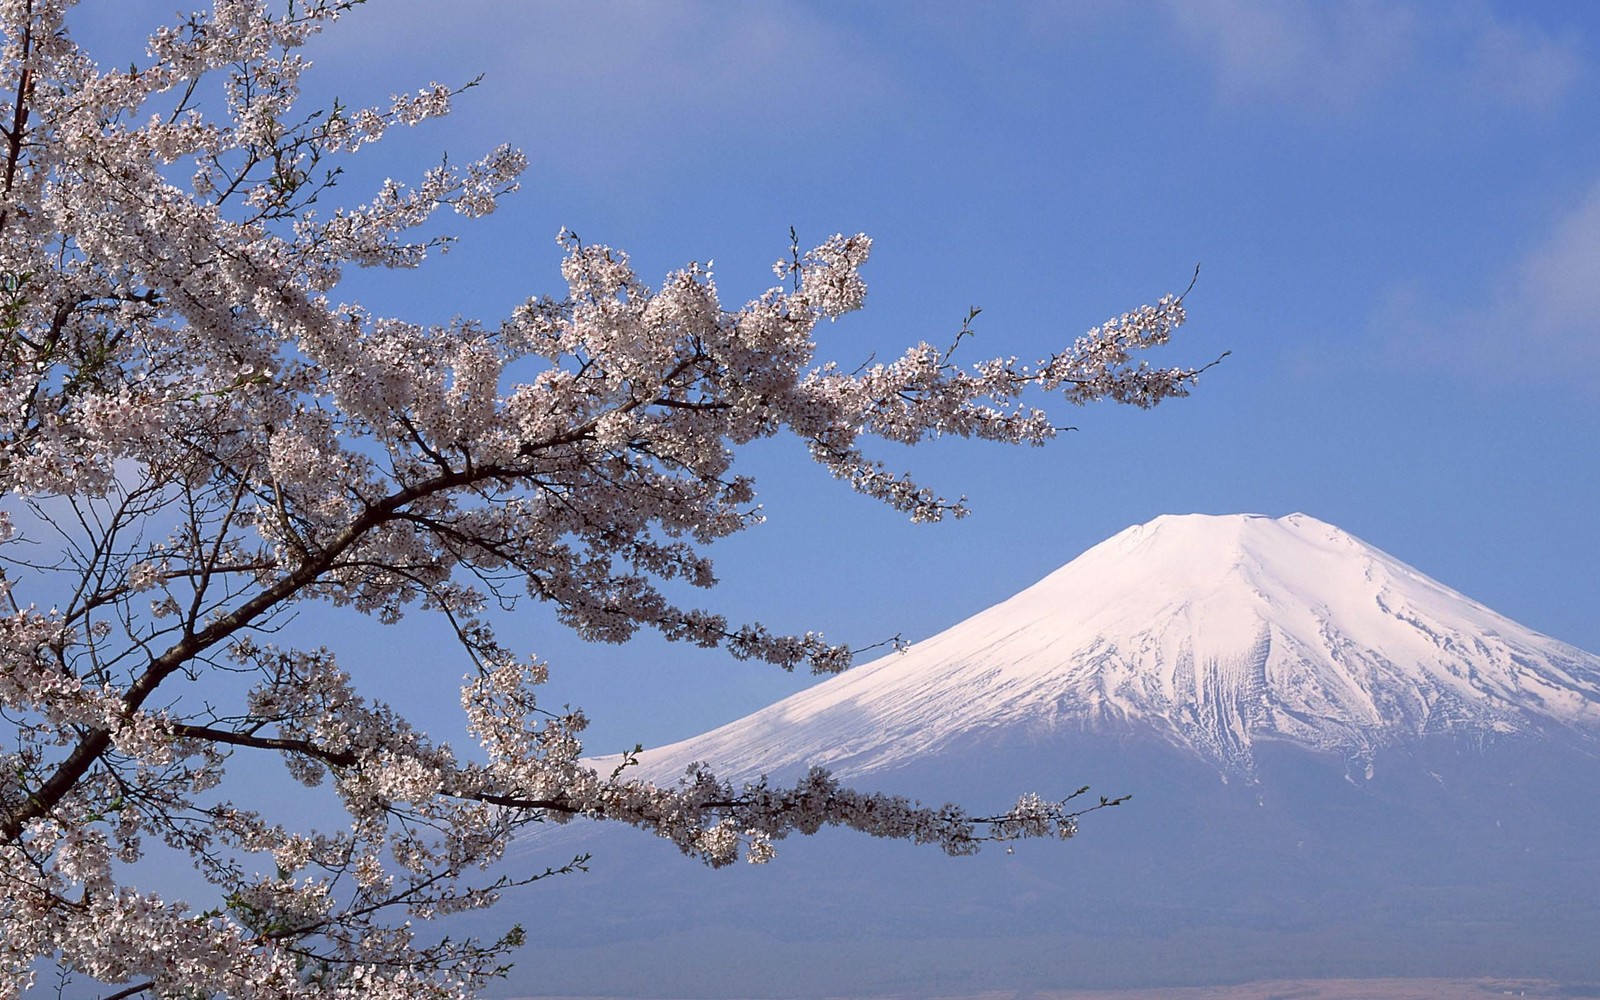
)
(1339, 767)
(1215, 634)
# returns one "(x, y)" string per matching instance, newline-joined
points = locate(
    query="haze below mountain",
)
(1339, 767)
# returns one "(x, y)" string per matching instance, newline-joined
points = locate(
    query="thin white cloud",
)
(611, 82)
(1558, 287)
(1524, 66)
(1336, 55)
(1324, 54)
(1538, 319)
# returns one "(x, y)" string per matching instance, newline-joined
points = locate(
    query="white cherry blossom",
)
(198, 435)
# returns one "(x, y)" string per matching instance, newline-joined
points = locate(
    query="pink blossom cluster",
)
(197, 437)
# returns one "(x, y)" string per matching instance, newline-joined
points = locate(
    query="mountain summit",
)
(1214, 633)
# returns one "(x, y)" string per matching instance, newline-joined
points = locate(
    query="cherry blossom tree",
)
(199, 435)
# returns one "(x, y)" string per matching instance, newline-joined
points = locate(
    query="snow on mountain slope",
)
(1212, 632)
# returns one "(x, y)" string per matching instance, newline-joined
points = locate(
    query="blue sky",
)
(1395, 208)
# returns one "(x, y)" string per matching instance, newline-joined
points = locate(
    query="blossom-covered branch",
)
(198, 436)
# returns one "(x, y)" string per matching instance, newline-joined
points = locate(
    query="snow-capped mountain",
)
(1410, 785)
(1214, 633)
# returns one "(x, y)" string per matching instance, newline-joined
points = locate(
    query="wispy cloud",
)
(612, 81)
(1557, 287)
(1324, 54)
(1538, 319)
(1335, 56)
(1523, 66)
